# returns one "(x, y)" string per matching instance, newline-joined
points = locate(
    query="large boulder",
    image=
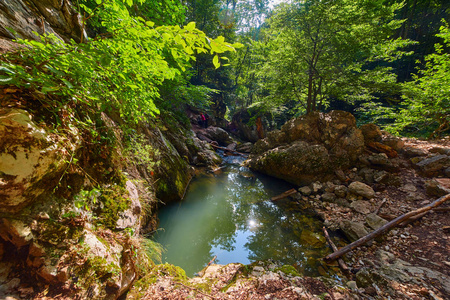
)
(371, 133)
(247, 126)
(218, 134)
(309, 148)
(434, 166)
(31, 159)
(172, 173)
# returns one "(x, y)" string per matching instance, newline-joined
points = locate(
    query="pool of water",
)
(229, 215)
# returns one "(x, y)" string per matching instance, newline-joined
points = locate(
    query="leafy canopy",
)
(426, 99)
(328, 49)
(120, 69)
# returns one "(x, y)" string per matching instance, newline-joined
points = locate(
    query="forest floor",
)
(409, 262)
(425, 242)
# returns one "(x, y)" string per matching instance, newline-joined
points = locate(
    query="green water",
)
(229, 215)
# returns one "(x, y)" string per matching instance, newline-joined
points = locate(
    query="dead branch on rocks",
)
(284, 195)
(385, 228)
(341, 262)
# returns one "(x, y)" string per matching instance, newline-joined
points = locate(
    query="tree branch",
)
(385, 228)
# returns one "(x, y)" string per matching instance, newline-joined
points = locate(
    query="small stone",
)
(353, 230)
(438, 187)
(434, 165)
(329, 197)
(381, 176)
(361, 206)
(352, 285)
(374, 221)
(440, 150)
(409, 187)
(43, 216)
(329, 187)
(413, 152)
(361, 189)
(340, 191)
(341, 175)
(306, 190)
(316, 186)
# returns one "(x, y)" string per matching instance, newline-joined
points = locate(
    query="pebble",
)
(386, 248)
(352, 285)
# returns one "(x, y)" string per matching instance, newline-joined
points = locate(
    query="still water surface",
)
(230, 215)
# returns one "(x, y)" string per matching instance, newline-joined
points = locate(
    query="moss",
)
(113, 203)
(288, 270)
(140, 287)
(179, 184)
(92, 270)
(54, 233)
(172, 271)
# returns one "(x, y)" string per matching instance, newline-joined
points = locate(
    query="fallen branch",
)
(284, 195)
(379, 206)
(385, 228)
(391, 217)
(212, 260)
(187, 185)
(341, 262)
(229, 150)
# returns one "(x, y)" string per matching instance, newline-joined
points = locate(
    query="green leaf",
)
(4, 69)
(5, 79)
(67, 83)
(216, 61)
(190, 26)
(47, 89)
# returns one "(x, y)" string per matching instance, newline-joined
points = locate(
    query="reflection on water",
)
(229, 215)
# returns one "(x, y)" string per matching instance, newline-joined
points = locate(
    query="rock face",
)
(309, 148)
(41, 16)
(177, 148)
(31, 159)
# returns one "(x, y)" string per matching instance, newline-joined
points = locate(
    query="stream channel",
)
(230, 215)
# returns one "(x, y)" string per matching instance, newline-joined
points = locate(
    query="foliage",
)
(426, 105)
(119, 71)
(334, 49)
(101, 206)
(140, 152)
(422, 22)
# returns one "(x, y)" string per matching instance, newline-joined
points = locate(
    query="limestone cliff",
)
(19, 19)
